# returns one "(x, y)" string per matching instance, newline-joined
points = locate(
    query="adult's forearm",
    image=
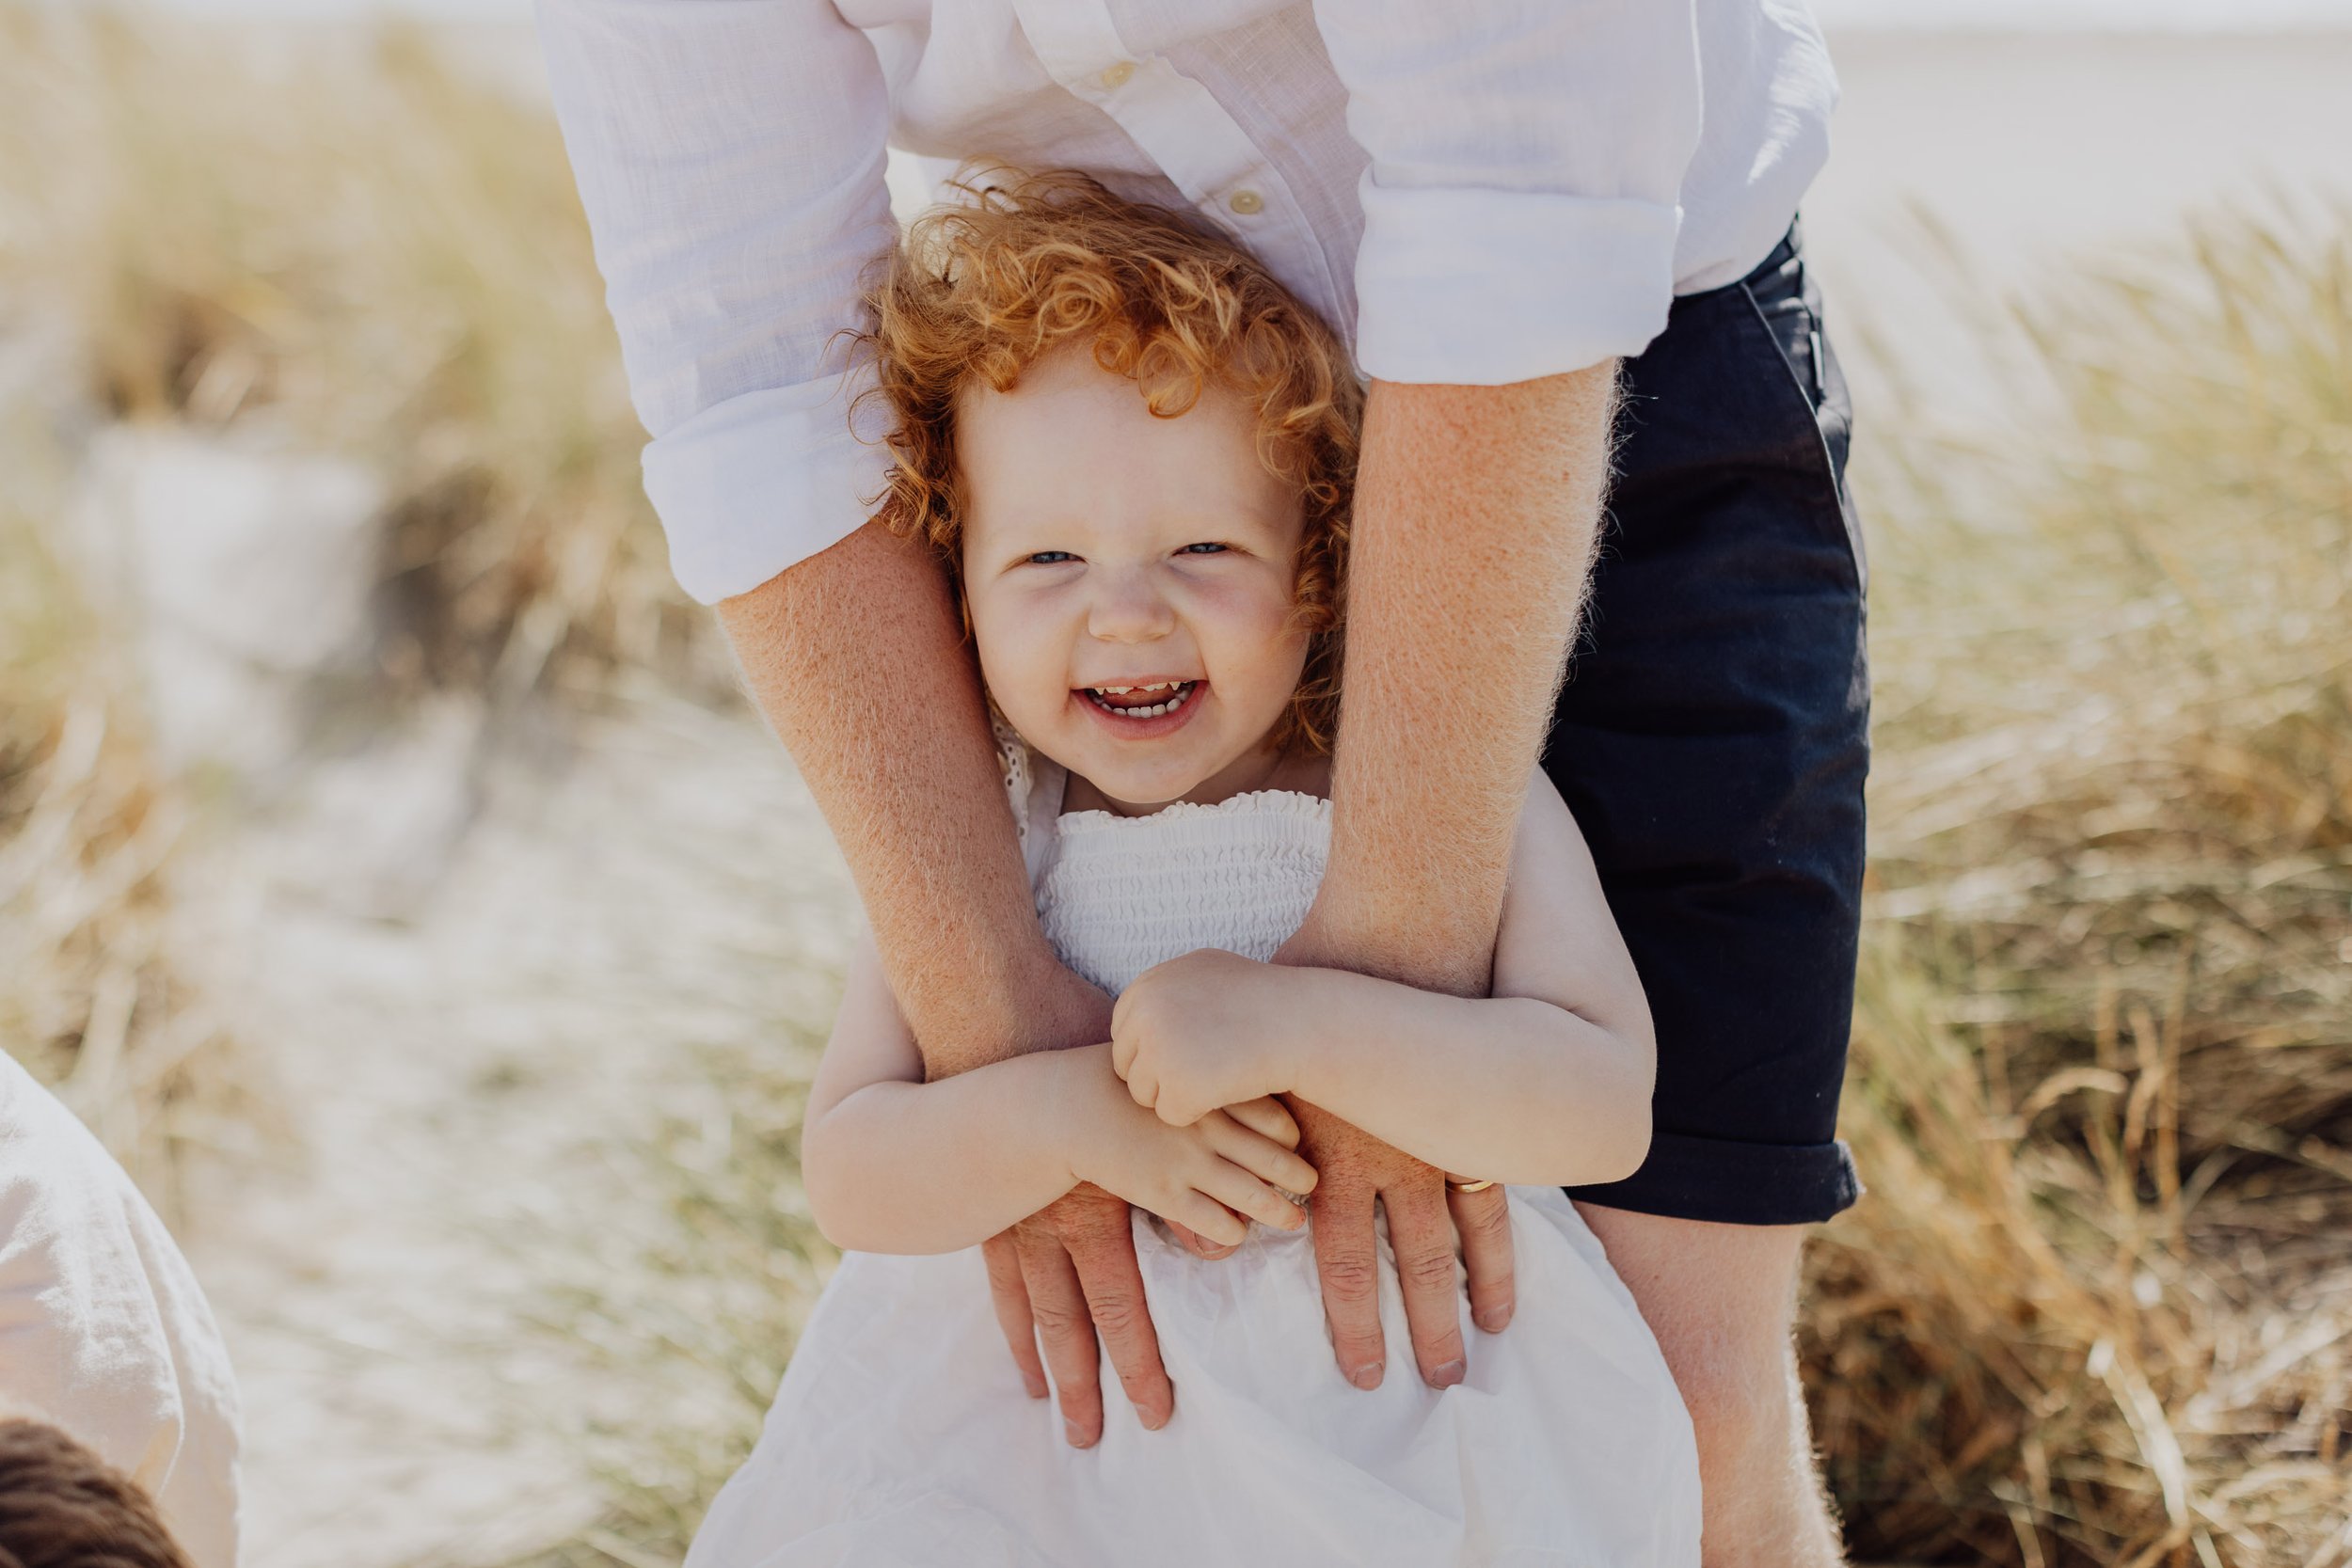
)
(1476, 512)
(857, 658)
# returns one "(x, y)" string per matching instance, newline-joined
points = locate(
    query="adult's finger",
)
(1012, 1309)
(1347, 1258)
(1106, 1262)
(1421, 1231)
(1483, 1219)
(1059, 1307)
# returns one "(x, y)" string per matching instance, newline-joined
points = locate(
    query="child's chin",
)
(1148, 791)
(1150, 795)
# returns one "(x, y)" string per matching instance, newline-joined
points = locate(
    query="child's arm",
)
(892, 1163)
(1547, 1082)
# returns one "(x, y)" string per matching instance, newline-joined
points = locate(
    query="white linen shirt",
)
(1476, 192)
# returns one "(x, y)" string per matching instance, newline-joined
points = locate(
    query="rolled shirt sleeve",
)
(1522, 199)
(730, 155)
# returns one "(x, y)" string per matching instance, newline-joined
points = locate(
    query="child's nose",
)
(1130, 609)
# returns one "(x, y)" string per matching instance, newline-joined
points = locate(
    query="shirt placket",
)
(1180, 125)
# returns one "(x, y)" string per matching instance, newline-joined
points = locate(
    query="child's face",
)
(1106, 549)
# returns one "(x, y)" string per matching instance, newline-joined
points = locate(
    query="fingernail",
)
(1447, 1375)
(1367, 1376)
(1036, 1385)
(1078, 1435)
(1153, 1422)
(1491, 1319)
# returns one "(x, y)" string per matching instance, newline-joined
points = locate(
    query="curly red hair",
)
(1028, 262)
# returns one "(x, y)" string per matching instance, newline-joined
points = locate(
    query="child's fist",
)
(1201, 1033)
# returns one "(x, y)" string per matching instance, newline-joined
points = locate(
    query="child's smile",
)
(1145, 710)
(1131, 581)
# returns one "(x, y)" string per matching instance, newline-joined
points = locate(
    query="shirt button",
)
(1119, 75)
(1249, 203)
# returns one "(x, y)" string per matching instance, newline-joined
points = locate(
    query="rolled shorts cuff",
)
(1728, 1183)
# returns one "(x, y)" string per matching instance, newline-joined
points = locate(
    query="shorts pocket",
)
(1787, 309)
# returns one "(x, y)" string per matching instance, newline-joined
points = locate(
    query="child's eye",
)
(1204, 547)
(1048, 557)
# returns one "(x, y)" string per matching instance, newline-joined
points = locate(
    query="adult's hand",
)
(1356, 1171)
(1065, 1279)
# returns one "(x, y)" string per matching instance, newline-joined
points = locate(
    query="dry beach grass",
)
(97, 991)
(338, 237)
(2094, 1310)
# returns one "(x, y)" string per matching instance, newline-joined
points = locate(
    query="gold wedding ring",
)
(1468, 1186)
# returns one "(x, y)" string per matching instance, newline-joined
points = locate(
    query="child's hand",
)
(1206, 1030)
(1209, 1176)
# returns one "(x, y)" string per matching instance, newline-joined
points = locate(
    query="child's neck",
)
(1305, 772)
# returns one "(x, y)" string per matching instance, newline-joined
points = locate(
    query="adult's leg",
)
(1712, 742)
(1721, 1298)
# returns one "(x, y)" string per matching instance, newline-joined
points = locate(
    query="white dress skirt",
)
(903, 1437)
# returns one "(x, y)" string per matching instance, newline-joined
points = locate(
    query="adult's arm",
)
(857, 659)
(1476, 514)
(1520, 207)
(730, 157)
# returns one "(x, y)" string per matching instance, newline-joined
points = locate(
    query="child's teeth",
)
(1148, 710)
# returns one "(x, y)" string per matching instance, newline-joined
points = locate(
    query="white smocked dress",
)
(902, 1435)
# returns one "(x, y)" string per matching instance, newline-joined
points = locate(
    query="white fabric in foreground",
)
(902, 1434)
(102, 1328)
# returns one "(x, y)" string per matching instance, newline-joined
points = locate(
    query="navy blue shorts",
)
(1713, 740)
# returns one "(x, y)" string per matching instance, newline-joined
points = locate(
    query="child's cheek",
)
(1246, 609)
(1024, 651)
(1259, 626)
(1000, 653)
